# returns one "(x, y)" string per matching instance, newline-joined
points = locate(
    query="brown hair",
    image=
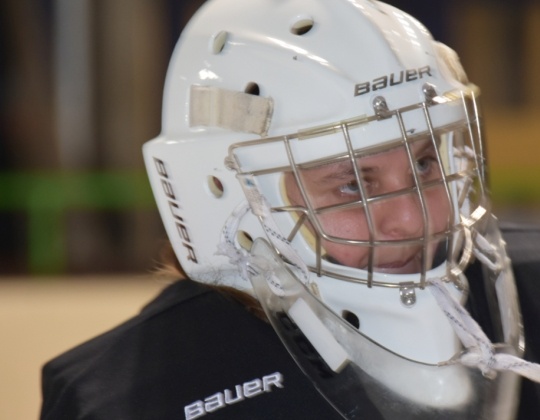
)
(170, 266)
(168, 263)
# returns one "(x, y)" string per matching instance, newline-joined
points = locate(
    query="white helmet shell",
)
(245, 71)
(270, 88)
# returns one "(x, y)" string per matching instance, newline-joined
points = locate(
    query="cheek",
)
(350, 256)
(439, 209)
(350, 224)
(291, 190)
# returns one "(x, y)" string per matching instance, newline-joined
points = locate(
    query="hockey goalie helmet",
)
(355, 138)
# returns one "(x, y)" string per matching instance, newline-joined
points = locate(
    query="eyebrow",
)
(424, 145)
(342, 170)
(345, 169)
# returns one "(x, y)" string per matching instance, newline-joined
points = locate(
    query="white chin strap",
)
(240, 257)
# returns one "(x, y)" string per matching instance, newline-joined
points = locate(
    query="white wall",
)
(42, 317)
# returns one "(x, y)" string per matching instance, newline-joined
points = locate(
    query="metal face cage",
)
(441, 134)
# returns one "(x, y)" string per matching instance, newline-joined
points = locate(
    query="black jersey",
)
(195, 353)
(523, 246)
(190, 352)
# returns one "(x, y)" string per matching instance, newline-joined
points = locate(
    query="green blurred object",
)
(46, 196)
(515, 186)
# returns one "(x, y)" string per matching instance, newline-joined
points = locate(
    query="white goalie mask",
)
(355, 139)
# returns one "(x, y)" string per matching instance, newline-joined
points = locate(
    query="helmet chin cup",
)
(358, 376)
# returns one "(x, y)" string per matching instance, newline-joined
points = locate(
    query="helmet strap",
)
(480, 351)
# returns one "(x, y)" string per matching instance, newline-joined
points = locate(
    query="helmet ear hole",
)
(252, 88)
(351, 318)
(215, 186)
(302, 25)
(244, 240)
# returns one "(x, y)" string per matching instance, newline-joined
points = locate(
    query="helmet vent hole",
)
(252, 88)
(218, 42)
(302, 25)
(351, 319)
(216, 186)
(244, 240)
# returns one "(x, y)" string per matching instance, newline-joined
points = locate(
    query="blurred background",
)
(80, 92)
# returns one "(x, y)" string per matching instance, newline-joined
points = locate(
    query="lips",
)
(411, 265)
(397, 268)
(408, 265)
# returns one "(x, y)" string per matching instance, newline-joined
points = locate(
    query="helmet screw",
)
(381, 107)
(429, 93)
(407, 293)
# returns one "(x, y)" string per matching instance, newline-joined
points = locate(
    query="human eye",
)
(427, 166)
(351, 188)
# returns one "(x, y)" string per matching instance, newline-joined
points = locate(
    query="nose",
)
(399, 217)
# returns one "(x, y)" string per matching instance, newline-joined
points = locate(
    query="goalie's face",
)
(385, 213)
